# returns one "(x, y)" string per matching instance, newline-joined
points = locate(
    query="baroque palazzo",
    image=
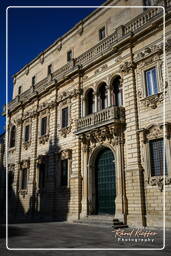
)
(89, 125)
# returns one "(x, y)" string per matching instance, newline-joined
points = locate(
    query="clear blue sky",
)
(31, 31)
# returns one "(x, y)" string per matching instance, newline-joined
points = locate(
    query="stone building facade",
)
(90, 120)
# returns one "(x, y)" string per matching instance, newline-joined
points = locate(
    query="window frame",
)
(69, 58)
(13, 146)
(140, 71)
(153, 171)
(49, 70)
(19, 90)
(33, 80)
(65, 154)
(21, 179)
(29, 130)
(62, 109)
(67, 172)
(41, 123)
(152, 88)
(40, 187)
(103, 28)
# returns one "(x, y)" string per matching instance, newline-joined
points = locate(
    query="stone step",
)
(101, 221)
(119, 226)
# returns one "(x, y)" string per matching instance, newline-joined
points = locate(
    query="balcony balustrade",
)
(114, 114)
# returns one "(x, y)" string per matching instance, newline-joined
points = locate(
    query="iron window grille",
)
(156, 158)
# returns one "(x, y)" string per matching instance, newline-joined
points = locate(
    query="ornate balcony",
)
(115, 115)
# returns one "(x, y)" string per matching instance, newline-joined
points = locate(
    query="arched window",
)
(102, 96)
(89, 102)
(12, 136)
(116, 92)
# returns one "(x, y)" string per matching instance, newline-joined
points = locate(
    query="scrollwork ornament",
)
(153, 100)
(159, 181)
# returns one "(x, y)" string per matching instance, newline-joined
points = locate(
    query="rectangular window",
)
(69, 55)
(156, 157)
(102, 33)
(64, 117)
(41, 176)
(33, 80)
(44, 126)
(24, 178)
(148, 2)
(151, 81)
(50, 69)
(27, 133)
(64, 172)
(19, 90)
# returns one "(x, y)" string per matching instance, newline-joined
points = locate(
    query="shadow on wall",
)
(49, 200)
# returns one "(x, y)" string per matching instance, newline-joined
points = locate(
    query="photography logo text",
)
(135, 235)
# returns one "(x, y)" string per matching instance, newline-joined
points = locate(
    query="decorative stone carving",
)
(27, 70)
(104, 134)
(152, 101)
(25, 164)
(69, 94)
(154, 132)
(26, 144)
(41, 58)
(42, 159)
(127, 67)
(168, 44)
(65, 154)
(104, 67)
(85, 78)
(52, 104)
(80, 28)
(19, 121)
(43, 106)
(147, 52)
(118, 59)
(97, 71)
(140, 93)
(65, 131)
(59, 45)
(11, 167)
(159, 181)
(14, 80)
(43, 139)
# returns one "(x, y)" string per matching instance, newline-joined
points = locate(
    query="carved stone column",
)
(83, 107)
(108, 96)
(95, 102)
(119, 189)
(85, 153)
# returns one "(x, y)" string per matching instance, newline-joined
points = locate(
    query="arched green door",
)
(105, 182)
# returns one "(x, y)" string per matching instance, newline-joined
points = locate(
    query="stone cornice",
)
(120, 37)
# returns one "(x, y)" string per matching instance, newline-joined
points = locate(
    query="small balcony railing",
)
(106, 116)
